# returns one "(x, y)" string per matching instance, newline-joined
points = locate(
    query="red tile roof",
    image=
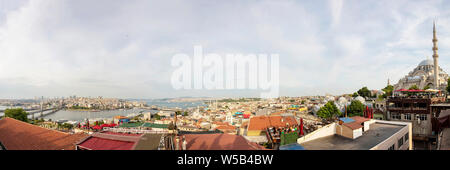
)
(226, 127)
(262, 122)
(95, 143)
(219, 142)
(353, 125)
(359, 119)
(220, 123)
(357, 123)
(18, 135)
(110, 141)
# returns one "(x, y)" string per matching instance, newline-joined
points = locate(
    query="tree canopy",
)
(448, 85)
(364, 92)
(157, 117)
(356, 108)
(426, 87)
(414, 87)
(18, 114)
(171, 126)
(328, 111)
(388, 90)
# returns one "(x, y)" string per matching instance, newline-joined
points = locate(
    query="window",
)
(396, 116)
(392, 147)
(407, 116)
(406, 137)
(400, 142)
(422, 117)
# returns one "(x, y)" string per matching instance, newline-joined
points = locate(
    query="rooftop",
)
(149, 142)
(263, 122)
(219, 142)
(378, 133)
(109, 141)
(154, 125)
(18, 135)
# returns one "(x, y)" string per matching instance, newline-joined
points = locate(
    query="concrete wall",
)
(321, 132)
(357, 133)
(424, 128)
(393, 140)
(255, 133)
(367, 124)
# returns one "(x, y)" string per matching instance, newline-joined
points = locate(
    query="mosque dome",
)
(426, 62)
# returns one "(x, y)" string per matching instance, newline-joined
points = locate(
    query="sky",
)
(123, 49)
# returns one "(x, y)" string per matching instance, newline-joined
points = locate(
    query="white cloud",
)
(111, 48)
(336, 9)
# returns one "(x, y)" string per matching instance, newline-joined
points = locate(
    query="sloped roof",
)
(353, 125)
(18, 135)
(110, 141)
(96, 143)
(219, 142)
(263, 122)
(356, 124)
(226, 127)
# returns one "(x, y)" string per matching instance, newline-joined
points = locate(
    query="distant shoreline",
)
(93, 110)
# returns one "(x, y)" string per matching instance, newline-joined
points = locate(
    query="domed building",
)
(424, 74)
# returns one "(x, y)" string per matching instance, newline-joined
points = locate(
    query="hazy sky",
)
(123, 49)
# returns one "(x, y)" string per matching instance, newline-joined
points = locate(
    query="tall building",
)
(427, 73)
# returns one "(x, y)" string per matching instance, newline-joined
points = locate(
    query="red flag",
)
(301, 126)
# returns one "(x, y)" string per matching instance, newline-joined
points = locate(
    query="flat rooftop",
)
(149, 142)
(377, 133)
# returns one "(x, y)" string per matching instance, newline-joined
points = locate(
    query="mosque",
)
(424, 74)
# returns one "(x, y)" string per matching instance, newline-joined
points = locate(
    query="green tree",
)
(328, 111)
(448, 85)
(356, 108)
(426, 87)
(185, 113)
(364, 92)
(67, 126)
(388, 90)
(18, 114)
(157, 117)
(171, 126)
(414, 87)
(355, 94)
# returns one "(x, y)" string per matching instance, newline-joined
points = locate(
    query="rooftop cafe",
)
(416, 93)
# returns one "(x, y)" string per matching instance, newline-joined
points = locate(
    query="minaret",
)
(435, 57)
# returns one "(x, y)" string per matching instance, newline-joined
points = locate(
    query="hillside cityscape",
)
(256, 75)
